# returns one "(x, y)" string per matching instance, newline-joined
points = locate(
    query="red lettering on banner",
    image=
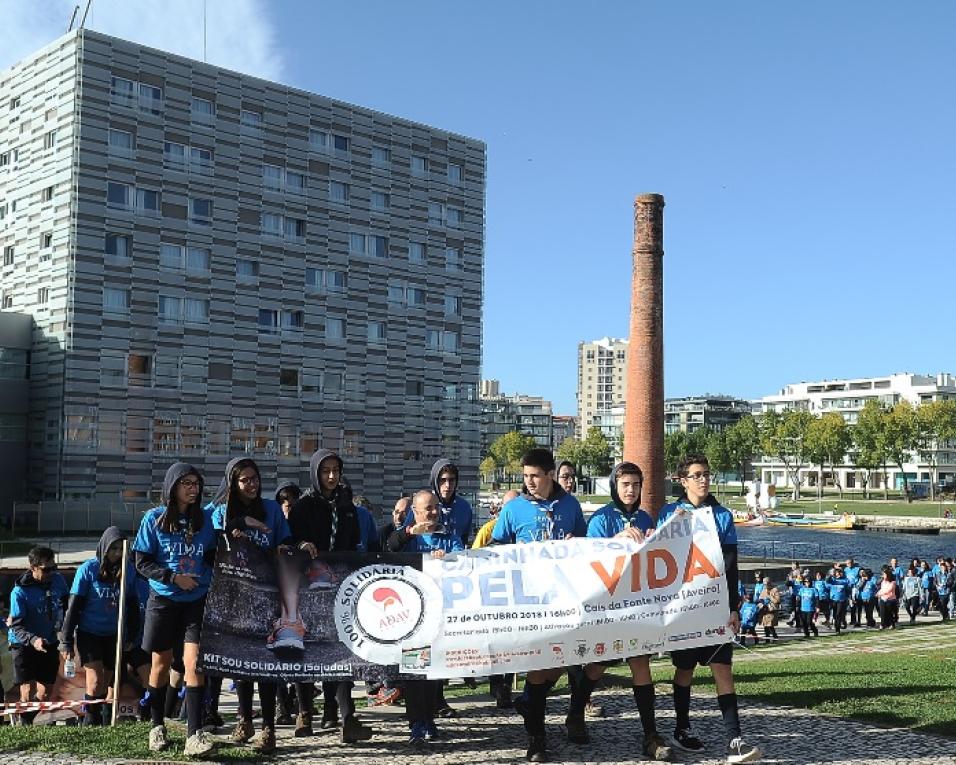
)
(698, 564)
(670, 569)
(612, 578)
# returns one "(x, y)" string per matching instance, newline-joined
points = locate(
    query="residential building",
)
(847, 397)
(16, 332)
(502, 413)
(689, 413)
(602, 370)
(219, 265)
(563, 427)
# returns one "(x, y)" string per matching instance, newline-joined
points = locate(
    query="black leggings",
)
(888, 611)
(912, 607)
(421, 698)
(267, 698)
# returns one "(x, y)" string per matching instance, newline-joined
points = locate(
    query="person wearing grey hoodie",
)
(326, 520)
(175, 548)
(91, 620)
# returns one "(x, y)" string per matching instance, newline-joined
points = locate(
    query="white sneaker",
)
(201, 742)
(741, 751)
(158, 740)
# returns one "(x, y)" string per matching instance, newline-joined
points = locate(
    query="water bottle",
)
(69, 669)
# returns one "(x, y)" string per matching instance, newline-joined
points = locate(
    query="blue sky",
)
(806, 153)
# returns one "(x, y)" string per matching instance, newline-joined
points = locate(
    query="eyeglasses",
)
(698, 477)
(248, 480)
(567, 476)
(48, 569)
(192, 484)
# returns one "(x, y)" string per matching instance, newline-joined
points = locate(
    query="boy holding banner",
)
(546, 512)
(621, 518)
(694, 475)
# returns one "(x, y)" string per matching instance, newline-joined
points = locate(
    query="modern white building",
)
(847, 397)
(602, 375)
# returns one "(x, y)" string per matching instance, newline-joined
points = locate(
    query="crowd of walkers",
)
(846, 596)
(169, 573)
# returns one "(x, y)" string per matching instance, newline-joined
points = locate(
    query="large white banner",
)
(518, 607)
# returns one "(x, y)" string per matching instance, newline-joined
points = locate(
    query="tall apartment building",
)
(502, 413)
(219, 265)
(847, 397)
(602, 370)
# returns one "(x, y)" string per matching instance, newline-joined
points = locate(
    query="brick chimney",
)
(644, 407)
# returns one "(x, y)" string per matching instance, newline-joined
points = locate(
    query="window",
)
(200, 211)
(416, 252)
(340, 143)
(4, 159)
(415, 296)
(200, 158)
(318, 140)
(294, 229)
(115, 300)
(381, 155)
(147, 201)
(121, 143)
(289, 378)
(331, 280)
(336, 281)
(46, 240)
(247, 270)
(14, 103)
(43, 295)
(376, 331)
(455, 173)
(357, 243)
(419, 165)
(197, 259)
(251, 119)
(177, 257)
(174, 153)
(46, 194)
(171, 256)
(170, 309)
(202, 110)
(436, 213)
(396, 294)
(334, 328)
(272, 177)
(8, 255)
(452, 305)
(332, 382)
(433, 339)
(271, 224)
(452, 259)
(450, 342)
(295, 182)
(414, 387)
(456, 216)
(268, 319)
(293, 319)
(122, 91)
(380, 246)
(338, 191)
(380, 200)
(6, 302)
(118, 195)
(150, 98)
(196, 310)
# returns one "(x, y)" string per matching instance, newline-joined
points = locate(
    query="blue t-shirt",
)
(610, 520)
(527, 519)
(868, 590)
(368, 531)
(823, 591)
(425, 543)
(457, 518)
(723, 519)
(852, 573)
(748, 614)
(926, 580)
(807, 596)
(839, 588)
(40, 606)
(172, 551)
(101, 610)
(275, 520)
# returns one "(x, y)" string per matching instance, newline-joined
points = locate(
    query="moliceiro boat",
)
(841, 522)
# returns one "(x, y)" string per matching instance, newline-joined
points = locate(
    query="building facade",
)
(602, 372)
(16, 336)
(502, 413)
(690, 413)
(219, 265)
(848, 397)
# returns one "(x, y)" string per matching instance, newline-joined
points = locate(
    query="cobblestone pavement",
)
(484, 734)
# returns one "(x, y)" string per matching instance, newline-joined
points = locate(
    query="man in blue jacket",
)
(545, 512)
(694, 474)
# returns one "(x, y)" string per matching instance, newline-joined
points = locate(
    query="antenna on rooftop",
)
(76, 10)
(85, 11)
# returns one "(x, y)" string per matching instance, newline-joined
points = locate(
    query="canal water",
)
(869, 548)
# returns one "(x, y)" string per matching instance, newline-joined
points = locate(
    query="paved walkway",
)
(484, 734)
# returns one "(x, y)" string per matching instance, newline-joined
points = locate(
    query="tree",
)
(783, 435)
(718, 454)
(869, 438)
(743, 443)
(595, 453)
(935, 423)
(681, 443)
(507, 451)
(900, 432)
(488, 469)
(827, 441)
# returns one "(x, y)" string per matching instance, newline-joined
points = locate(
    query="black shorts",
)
(90, 648)
(688, 658)
(29, 664)
(169, 623)
(136, 657)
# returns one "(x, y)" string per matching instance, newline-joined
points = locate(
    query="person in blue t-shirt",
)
(545, 512)
(37, 604)
(839, 587)
(175, 548)
(851, 570)
(693, 471)
(748, 619)
(368, 529)
(93, 614)
(422, 696)
(823, 597)
(805, 606)
(247, 518)
(866, 586)
(621, 518)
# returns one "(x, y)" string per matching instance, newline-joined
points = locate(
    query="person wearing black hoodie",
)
(37, 604)
(175, 548)
(693, 471)
(325, 520)
(92, 616)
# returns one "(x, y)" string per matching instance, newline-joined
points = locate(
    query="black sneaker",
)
(537, 749)
(354, 731)
(687, 741)
(741, 751)
(655, 748)
(577, 729)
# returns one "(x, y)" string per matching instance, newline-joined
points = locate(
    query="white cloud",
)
(239, 33)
